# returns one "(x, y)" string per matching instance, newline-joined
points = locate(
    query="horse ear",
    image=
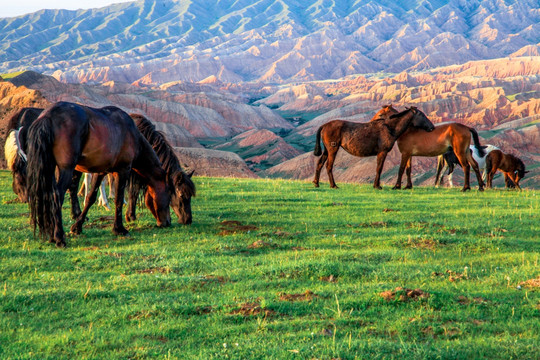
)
(191, 174)
(526, 171)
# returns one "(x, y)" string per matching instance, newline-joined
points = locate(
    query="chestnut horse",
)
(179, 183)
(365, 139)
(446, 136)
(511, 166)
(69, 136)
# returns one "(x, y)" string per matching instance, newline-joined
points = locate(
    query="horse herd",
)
(48, 150)
(415, 135)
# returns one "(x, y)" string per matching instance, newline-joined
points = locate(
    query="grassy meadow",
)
(275, 269)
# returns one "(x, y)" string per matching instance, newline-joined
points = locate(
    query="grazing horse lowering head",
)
(183, 191)
(180, 186)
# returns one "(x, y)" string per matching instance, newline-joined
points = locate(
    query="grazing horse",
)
(418, 142)
(69, 136)
(448, 160)
(179, 183)
(14, 150)
(365, 139)
(511, 166)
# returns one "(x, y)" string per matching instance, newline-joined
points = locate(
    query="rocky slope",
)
(270, 41)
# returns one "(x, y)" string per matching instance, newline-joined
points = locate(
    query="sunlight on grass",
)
(280, 269)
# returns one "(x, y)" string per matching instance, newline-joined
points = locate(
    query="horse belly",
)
(103, 152)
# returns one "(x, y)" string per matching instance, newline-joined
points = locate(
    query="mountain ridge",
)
(270, 41)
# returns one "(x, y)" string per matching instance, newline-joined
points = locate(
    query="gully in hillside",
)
(365, 139)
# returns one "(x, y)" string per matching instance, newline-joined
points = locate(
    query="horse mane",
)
(164, 152)
(400, 113)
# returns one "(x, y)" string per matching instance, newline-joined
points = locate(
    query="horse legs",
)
(404, 159)
(121, 179)
(380, 163)
(450, 180)
(330, 165)
(75, 207)
(474, 165)
(409, 171)
(320, 164)
(65, 177)
(462, 158)
(103, 196)
(513, 176)
(90, 199)
(440, 168)
(133, 191)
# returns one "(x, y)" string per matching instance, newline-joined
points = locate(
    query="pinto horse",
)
(179, 183)
(73, 137)
(14, 149)
(365, 139)
(418, 142)
(511, 166)
(449, 160)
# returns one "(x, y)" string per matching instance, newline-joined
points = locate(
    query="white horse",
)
(448, 160)
(102, 199)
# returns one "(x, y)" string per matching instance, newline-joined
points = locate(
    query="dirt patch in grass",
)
(102, 222)
(90, 248)
(463, 300)
(330, 278)
(452, 275)
(262, 244)
(143, 314)
(161, 339)
(404, 294)
(154, 270)
(114, 254)
(213, 279)
(385, 210)
(531, 283)
(375, 224)
(229, 227)
(423, 243)
(13, 201)
(252, 309)
(307, 296)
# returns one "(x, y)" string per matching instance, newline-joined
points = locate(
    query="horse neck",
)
(400, 124)
(148, 165)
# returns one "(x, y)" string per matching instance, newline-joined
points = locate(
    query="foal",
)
(511, 166)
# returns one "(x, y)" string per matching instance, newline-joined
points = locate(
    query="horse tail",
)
(477, 145)
(43, 194)
(318, 151)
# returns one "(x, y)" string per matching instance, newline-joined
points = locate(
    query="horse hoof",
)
(316, 183)
(481, 189)
(465, 189)
(377, 187)
(61, 244)
(120, 232)
(75, 229)
(396, 187)
(407, 187)
(334, 187)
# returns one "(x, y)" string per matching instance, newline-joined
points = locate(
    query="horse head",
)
(420, 120)
(181, 194)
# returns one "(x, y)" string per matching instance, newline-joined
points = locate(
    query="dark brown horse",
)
(69, 136)
(511, 166)
(418, 142)
(365, 139)
(179, 183)
(15, 151)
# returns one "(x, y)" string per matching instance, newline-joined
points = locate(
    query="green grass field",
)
(281, 270)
